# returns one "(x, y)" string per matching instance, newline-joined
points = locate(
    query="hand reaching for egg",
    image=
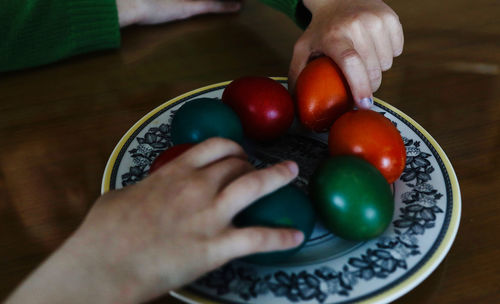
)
(361, 36)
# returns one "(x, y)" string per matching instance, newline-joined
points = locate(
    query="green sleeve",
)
(294, 9)
(36, 32)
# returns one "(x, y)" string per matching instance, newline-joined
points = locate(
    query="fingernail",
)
(366, 103)
(398, 52)
(298, 237)
(386, 65)
(292, 166)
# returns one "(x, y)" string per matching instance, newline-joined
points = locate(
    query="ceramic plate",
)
(328, 269)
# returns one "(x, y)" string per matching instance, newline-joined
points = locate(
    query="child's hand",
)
(165, 231)
(160, 11)
(361, 36)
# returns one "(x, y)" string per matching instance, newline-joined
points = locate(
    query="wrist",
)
(103, 277)
(73, 275)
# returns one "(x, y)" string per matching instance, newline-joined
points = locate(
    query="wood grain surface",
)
(59, 123)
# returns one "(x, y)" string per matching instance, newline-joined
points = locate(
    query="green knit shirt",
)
(37, 32)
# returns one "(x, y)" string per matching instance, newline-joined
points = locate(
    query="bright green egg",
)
(352, 198)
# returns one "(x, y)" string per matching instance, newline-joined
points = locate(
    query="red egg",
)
(263, 105)
(168, 155)
(322, 94)
(371, 136)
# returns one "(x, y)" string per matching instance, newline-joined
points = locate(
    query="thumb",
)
(301, 53)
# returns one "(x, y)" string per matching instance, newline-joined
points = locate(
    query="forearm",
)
(36, 32)
(71, 275)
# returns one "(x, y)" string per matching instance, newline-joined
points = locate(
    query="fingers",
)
(244, 241)
(128, 12)
(212, 150)
(375, 39)
(395, 30)
(159, 11)
(252, 186)
(379, 34)
(198, 7)
(223, 172)
(353, 67)
(364, 44)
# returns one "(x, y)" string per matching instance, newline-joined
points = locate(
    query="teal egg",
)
(287, 207)
(202, 118)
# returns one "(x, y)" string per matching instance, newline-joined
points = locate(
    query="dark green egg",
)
(202, 118)
(287, 207)
(352, 198)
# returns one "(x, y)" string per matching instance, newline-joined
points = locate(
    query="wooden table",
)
(59, 123)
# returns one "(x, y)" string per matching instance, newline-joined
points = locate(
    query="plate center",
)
(307, 152)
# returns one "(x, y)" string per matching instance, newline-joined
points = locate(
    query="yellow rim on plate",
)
(388, 295)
